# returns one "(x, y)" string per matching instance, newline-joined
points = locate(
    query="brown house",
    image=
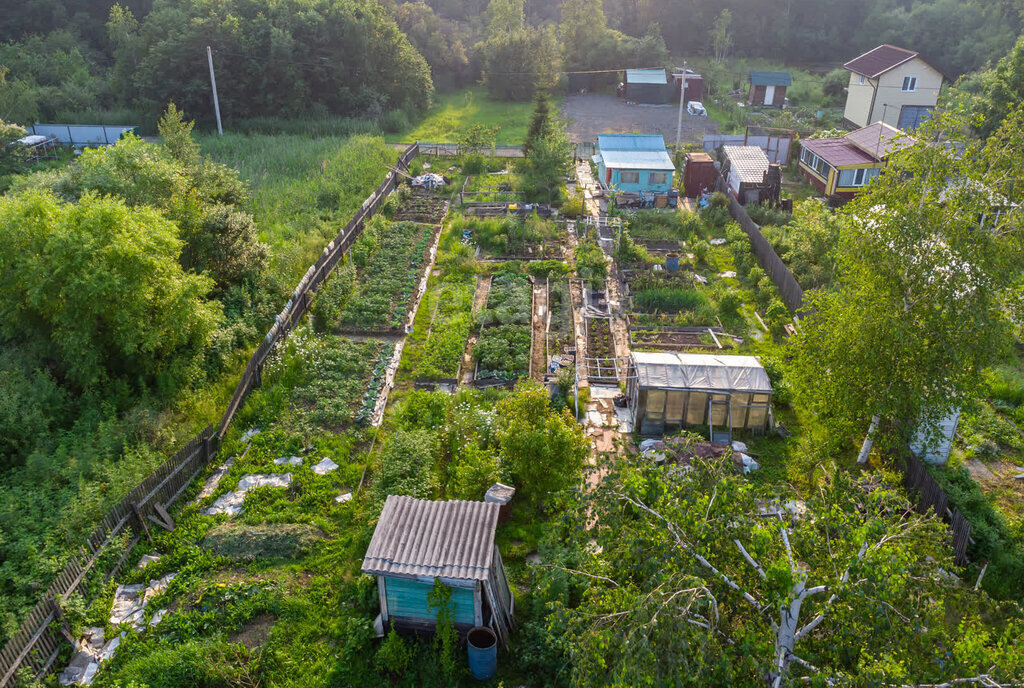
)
(768, 89)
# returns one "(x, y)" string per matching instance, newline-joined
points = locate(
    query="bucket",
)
(672, 262)
(482, 646)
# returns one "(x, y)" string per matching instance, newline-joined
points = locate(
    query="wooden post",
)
(213, 84)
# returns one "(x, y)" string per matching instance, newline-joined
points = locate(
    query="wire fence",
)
(43, 634)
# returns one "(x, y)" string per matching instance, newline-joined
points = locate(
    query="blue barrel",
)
(672, 262)
(482, 646)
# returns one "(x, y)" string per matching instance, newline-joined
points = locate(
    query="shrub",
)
(473, 164)
(719, 200)
(393, 656)
(573, 207)
(701, 249)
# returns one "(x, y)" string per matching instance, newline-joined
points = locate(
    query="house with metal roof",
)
(768, 88)
(418, 542)
(841, 166)
(892, 85)
(650, 86)
(744, 169)
(669, 391)
(634, 163)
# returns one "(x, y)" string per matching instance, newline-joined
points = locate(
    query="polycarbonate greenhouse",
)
(669, 391)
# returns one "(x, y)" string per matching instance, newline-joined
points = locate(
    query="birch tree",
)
(687, 577)
(926, 264)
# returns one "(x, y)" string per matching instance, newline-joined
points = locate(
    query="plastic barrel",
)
(482, 646)
(672, 262)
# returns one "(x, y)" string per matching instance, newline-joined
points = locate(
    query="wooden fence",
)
(38, 643)
(930, 495)
(790, 290)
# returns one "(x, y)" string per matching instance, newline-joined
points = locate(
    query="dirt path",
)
(483, 288)
(594, 113)
(538, 345)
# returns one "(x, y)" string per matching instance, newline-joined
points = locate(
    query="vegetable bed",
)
(503, 350)
(390, 264)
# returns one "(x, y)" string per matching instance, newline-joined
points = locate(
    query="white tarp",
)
(703, 372)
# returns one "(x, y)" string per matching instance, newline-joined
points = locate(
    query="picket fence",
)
(43, 634)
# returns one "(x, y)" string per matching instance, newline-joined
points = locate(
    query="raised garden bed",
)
(387, 278)
(600, 352)
(503, 349)
(672, 338)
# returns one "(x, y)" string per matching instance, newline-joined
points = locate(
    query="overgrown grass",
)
(454, 113)
(303, 189)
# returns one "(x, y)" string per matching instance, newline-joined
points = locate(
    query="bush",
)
(719, 200)
(473, 164)
(573, 207)
(393, 656)
(394, 122)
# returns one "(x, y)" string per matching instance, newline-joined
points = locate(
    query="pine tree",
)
(540, 125)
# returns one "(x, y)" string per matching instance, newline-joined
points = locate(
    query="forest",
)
(382, 62)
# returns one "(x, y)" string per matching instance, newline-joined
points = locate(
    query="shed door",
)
(769, 95)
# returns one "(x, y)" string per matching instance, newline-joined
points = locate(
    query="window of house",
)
(860, 79)
(657, 177)
(629, 177)
(910, 83)
(859, 177)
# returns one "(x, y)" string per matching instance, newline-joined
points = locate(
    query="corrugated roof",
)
(637, 160)
(879, 60)
(416, 537)
(646, 76)
(631, 142)
(879, 139)
(837, 152)
(702, 372)
(771, 79)
(749, 162)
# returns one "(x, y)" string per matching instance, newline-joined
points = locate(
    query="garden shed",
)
(744, 170)
(648, 86)
(417, 542)
(634, 163)
(669, 391)
(768, 88)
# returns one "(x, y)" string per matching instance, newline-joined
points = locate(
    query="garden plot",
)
(601, 361)
(422, 206)
(560, 342)
(335, 382)
(374, 291)
(503, 348)
(493, 187)
(512, 238)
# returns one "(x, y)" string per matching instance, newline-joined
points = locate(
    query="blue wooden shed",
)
(417, 542)
(634, 163)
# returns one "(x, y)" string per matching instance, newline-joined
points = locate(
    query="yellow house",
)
(840, 167)
(891, 85)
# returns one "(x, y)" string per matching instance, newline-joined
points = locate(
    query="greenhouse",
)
(670, 391)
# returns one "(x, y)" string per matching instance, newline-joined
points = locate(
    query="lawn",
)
(453, 113)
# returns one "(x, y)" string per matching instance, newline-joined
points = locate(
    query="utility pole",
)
(213, 83)
(682, 97)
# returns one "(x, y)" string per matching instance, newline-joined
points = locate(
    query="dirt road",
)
(592, 114)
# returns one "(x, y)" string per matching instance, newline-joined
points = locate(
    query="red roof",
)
(880, 60)
(879, 139)
(837, 152)
(864, 146)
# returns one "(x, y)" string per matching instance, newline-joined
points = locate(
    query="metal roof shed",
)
(745, 172)
(668, 391)
(417, 542)
(648, 86)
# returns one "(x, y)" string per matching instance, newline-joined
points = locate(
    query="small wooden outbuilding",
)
(698, 174)
(744, 170)
(417, 542)
(768, 88)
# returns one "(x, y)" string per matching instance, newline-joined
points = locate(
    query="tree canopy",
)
(98, 285)
(673, 575)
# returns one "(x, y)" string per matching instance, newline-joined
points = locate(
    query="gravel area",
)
(592, 114)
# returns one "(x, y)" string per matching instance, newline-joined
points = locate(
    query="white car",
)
(696, 108)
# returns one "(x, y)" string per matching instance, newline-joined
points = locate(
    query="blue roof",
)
(771, 79)
(646, 76)
(635, 160)
(631, 142)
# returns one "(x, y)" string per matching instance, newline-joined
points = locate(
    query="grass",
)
(454, 113)
(303, 190)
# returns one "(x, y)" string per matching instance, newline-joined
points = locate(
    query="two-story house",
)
(891, 85)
